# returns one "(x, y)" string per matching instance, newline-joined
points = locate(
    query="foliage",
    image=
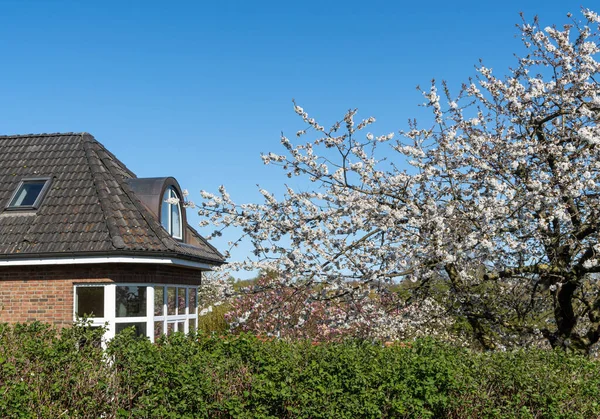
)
(499, 198)
(44, 373)
(214, 321)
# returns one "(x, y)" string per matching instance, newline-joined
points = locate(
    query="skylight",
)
(29, 194)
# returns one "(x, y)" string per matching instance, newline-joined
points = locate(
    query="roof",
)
(89, 207)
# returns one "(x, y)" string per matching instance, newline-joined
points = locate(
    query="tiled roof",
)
(89, 207)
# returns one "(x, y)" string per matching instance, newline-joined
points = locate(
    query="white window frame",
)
(110, 318)
(189, 312)
(94, 321)
(172, 193)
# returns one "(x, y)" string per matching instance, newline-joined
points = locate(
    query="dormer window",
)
(170, 215)
(29, 194)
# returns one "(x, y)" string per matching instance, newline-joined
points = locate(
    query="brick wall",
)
(45, 293)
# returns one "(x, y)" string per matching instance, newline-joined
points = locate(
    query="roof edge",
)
(107, 254)
(116, 253)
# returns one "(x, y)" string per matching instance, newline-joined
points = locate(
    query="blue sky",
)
(197, 90)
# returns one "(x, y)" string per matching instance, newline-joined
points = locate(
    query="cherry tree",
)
(495, 203)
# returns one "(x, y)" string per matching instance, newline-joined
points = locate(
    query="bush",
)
(44, 373)
(214, 321)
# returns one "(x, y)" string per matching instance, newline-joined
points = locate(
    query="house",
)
(81, 235)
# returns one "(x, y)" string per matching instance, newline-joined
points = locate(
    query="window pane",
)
(140, 328)
(175, 221)
(192, 297)
(192, 325)
(130, 301)
(158, 329)
(159, 293)
(27, 194)
(170, 328)
(181, 326)
(164, 212)
(171, 301)
(89, 301)
(181, 300)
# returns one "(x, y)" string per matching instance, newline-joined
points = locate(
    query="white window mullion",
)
(110, 309)
(186, 325)
(170, 214)
(150, 312)
(165, 299)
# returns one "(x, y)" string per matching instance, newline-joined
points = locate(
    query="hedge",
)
(46, 373)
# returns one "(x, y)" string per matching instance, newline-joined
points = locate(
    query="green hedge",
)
(46, 374)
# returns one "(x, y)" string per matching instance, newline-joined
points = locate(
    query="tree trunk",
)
(565, 336)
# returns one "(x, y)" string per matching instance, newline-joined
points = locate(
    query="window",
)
(29, 194)
(130, 301)
(170, 215)
(90, 303)
(175, 309)
(153, 310)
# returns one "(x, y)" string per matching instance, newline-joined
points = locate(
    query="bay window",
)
(153, 310)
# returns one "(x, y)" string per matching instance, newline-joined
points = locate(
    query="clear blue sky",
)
(197, 90)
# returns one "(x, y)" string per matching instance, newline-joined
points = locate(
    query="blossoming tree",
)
(498, 200)
(269, 308)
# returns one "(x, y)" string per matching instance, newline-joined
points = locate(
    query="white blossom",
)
(499, 194)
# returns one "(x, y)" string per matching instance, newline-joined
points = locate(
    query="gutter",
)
(79, 258)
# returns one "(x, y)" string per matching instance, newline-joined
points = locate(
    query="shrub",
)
(47, 373)
(214, 321)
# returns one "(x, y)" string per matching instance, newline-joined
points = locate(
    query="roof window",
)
(29, 194)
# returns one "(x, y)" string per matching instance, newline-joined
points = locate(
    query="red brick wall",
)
(45, 293)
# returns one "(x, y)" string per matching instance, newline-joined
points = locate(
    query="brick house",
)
(80, 234)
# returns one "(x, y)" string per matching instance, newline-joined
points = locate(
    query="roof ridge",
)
(99, 187)
(111, 155)
(45, 134)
